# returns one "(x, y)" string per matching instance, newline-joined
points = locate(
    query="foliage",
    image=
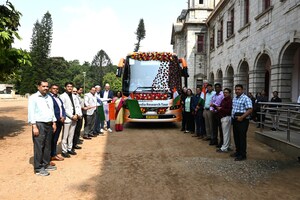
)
(39, 51)
(140, 34)
(97, 71)
(11, 59)
(115, 83)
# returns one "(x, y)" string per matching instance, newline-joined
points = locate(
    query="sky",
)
(81, 28)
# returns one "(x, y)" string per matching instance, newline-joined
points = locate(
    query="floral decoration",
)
(161, 56)
(161, 110)
(150, 96)
(144, 110)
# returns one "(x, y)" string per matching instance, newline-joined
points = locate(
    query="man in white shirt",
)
(106, 96)
(73, 112)
(98, 123)
(42, 118)
(90, 101)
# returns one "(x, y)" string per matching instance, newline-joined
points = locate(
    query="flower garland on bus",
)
(145, 56)
(150, 96)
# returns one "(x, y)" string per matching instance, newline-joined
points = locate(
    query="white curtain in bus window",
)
(161, 81)
(142, 73)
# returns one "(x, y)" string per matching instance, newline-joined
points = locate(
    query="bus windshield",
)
(148, 74)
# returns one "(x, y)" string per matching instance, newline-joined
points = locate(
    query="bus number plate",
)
(151, 116)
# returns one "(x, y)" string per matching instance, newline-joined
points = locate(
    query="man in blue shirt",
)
(241, 110)
(42, 118)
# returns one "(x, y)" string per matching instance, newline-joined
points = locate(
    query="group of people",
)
(211, 113)
(259, 112)
(50, 113)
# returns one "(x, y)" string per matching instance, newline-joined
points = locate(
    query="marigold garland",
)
(145, 56)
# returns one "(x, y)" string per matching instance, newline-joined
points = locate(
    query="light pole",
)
(84, 73)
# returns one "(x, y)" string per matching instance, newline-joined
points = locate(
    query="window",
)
(200, 43)
(266, 4)
(230, 24)
(220, 33)
(212, 39)
(246, 12)
(200, 1)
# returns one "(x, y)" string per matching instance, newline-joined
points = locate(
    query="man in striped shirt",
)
(241, 110)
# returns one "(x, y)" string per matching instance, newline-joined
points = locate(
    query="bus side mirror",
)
(120, 67)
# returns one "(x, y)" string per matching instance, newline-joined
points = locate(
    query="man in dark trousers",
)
(198, 110)
(241, 110)
(60, 115)
(273, 111)
(42, 119)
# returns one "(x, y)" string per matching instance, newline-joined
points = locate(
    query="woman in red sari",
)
(119, 102)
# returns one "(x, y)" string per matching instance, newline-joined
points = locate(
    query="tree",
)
(11, 59)
(115, 83)
(100, 61)
(39, 51)
(140, 34)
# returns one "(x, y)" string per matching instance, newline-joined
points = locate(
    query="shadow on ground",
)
(10, 127)
(157, 161)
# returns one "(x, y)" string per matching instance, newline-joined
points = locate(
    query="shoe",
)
(65, 155)
(206, 138)
(186, 131)
(41, 172)
(72, 152)
(229, 149)
(51, 168)
(101, 130)
(52, 163)
(221, 151)
(234, 155)
(273, 129)
(77, 147)
(86, 137)
(240, 158)
(57, 158)
(219, 146)
(79, 142)
(92, 135)
(109, 130)
(182, 129)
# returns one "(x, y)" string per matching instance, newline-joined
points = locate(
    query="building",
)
(189, 35)
(6, 91)
(254, 44)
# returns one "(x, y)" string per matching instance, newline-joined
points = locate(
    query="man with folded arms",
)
(60, 115)
(41, 117)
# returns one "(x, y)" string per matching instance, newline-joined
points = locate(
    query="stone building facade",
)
(255, 44)
(189, 35)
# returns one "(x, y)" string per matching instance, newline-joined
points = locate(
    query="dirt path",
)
(146, 161)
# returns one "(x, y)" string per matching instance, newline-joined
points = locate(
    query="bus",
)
(154, 79)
